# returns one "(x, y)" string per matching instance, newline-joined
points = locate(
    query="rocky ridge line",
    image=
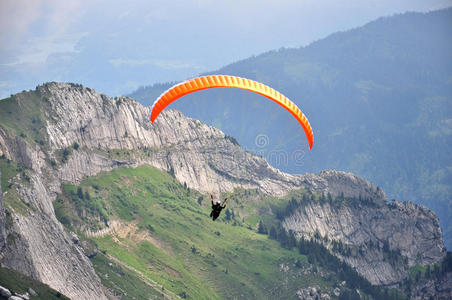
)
(116, 132)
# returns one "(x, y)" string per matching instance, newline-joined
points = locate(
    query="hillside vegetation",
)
(149, 235)
(20, 284)
(378, 98)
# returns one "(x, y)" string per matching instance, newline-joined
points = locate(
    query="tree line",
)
(309, 198)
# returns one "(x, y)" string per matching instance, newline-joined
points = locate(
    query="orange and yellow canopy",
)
(215, 81)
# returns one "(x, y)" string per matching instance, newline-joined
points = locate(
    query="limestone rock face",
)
(44, 250)
(411, 232)
(2, 221)
(200, 155)
(4, 292)
(339, 183)
(87, 132)
(195, 153)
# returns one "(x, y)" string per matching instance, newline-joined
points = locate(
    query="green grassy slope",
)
(11, 172)
(19, 283)
(23, 115)
(163, 241)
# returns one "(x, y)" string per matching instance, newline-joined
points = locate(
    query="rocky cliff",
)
(379, 240)
(2, 220)
(38, 245)
(75, 132)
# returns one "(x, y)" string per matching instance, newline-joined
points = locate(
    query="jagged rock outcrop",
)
(42, 248)
(380, 240)
(2, 221)
(4, 292)
(87, 132)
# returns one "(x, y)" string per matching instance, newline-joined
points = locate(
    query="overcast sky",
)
(116, 46)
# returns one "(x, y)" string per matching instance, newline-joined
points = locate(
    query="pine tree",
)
(227, 214)
(317, 235)
(322, 199)
(437, 271)
(261, 228)
(292, 241)
(330, 198)
(283, 237)
(273, 234)
(80, 193)
(302, 246)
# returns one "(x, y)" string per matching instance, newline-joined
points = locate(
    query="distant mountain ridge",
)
(378, 98)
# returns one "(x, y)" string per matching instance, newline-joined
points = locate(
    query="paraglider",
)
(217, 207)
(216, 81)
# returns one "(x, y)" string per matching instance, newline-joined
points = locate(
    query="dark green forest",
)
(378, 98)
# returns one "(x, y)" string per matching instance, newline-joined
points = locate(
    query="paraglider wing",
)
(215, 81)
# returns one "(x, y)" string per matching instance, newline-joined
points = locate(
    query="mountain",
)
(378, 98)
(97, 201)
